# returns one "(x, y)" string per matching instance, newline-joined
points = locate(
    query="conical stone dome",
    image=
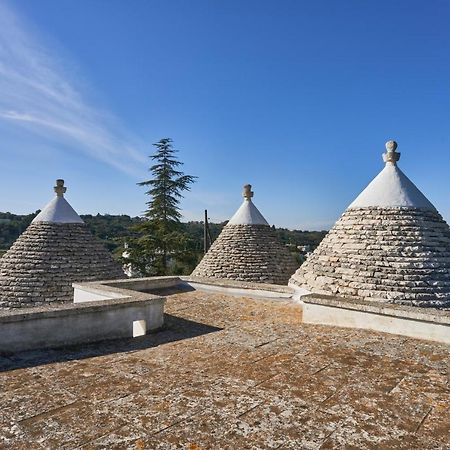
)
(390, 245)
(247, 249)
(56, 250)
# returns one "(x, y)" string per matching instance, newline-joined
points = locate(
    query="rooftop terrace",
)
(230, 372)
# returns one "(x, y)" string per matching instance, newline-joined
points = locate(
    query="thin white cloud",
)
(37, 93)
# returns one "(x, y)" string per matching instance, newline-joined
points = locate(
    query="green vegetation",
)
(113, 231)
(161, 246)
(11, 227)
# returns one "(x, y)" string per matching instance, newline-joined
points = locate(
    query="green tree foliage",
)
(112, 230)
(12, 226)
(162, 246)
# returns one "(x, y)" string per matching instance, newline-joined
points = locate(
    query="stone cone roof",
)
(390, 245)
(247, 249)
(56, 250)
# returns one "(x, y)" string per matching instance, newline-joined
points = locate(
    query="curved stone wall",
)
(47, 258)
(396, 254)
(247, 253)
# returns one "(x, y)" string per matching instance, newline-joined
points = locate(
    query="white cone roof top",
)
(58, 210)
(248, 213)
(391, 187)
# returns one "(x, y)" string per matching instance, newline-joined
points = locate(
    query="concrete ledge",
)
(240, 288)
(421, 323)
(101, 310)
(144, 284)
(101, 290)
(68, 324)
(299, 292)
(135, 287)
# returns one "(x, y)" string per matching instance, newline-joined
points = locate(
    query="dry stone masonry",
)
(247, 249)
(390, 245)
(56, 250)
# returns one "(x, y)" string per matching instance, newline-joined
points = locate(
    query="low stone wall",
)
(240, 288)
(116, 309)
(105, 310)
(103, 290)
(67, 324)
(420, 323)
(146, 284)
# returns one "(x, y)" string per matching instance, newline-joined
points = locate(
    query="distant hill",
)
(112, 230)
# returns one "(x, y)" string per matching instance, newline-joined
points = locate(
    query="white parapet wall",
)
(103, 290)
(133, 307)
(67, 324)
(240, 288)
(102, 310)
(421, 323)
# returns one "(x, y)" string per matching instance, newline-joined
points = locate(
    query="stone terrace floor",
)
(230, 373)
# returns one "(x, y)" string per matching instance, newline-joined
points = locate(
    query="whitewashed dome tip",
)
(58, 210)
(248, 213)
(391, 187)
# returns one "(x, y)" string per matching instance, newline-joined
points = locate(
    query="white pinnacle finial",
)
(60, 189)
(391, 156)
(247, 194)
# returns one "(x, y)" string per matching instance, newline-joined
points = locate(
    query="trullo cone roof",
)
(391, 245)
(247, 249)
(56, 250)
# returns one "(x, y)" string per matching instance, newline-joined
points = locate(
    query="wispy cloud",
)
(38, 93)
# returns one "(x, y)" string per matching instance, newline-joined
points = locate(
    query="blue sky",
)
(295, 97)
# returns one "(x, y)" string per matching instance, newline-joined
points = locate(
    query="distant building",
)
(128, 268)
